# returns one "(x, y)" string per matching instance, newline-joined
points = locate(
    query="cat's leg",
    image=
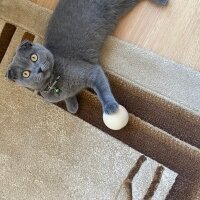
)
(99, 83)
(161, 2)
(72, 104)
(117, 8)
(133, 2)
(126, 5)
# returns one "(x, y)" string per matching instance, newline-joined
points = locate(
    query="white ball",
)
(117, 120)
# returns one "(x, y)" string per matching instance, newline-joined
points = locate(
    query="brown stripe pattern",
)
(154, 185)
(128, 181)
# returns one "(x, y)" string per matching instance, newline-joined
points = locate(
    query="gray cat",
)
(69, 60)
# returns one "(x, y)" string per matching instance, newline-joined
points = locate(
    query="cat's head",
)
(31, 66)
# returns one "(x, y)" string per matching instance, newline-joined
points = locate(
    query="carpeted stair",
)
(47, 153)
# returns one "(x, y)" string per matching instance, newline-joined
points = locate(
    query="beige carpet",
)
(47, 153)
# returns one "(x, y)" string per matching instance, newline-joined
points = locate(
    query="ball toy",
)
(117, 120)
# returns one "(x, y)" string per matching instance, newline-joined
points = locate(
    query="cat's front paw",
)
(72, 105)
(162, 2)
(110, 107)
(73, 109)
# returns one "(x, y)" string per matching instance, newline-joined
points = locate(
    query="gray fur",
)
(74, 38)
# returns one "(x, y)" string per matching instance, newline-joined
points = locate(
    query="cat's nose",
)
(10, 75)
(40, 70)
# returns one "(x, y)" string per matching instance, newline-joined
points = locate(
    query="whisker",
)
(38, 78)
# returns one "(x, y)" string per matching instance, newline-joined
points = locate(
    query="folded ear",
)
(26, 44)
(11, 74)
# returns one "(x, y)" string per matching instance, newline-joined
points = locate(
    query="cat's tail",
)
(161, 2)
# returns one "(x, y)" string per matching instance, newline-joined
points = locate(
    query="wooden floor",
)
(172, 31)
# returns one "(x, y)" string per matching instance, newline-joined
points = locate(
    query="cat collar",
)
(52, 87)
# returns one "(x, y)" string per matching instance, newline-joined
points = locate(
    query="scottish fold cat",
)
(69, 60)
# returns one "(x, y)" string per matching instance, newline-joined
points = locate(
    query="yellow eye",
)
(26, 73)
(34, 57)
